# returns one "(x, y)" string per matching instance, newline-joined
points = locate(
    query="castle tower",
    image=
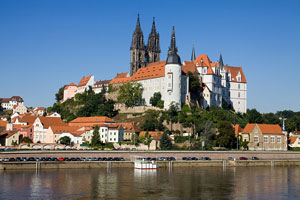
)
(137, 49)
(173, 75)
(153, 48)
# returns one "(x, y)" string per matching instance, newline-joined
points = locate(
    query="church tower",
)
(173, 73)
(137, 49)
(153, 49)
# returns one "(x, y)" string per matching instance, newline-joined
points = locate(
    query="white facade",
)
(108, 134)
(238, 96)
(39, 132)
(172, 91)
(20, 108)
(90, 82)
(75, 139)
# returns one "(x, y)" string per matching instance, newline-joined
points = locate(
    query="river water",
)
(126, 183)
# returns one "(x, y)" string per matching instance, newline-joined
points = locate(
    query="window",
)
(278, 139)
(272, 139)
(115, 133)
(239, 86)
(256, 139)
(114, 139)
(266, 139)
(239, 95)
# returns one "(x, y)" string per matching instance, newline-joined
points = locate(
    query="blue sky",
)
(46, 44)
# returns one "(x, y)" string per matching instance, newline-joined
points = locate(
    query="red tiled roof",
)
(52, 121)
(84, 81)
(129, 127)
(122, 75)
(71, 84)
(293, 139)
(3, 123)
(296, 132)
(8, 134)
(101, 119)
(264, 128)
(234, 72)
(63, 129)
(189, 67)
(152, 70)
(237, 129)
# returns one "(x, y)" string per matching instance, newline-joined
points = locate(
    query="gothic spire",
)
(193, 54)
(137, 38)
(173, 57)
(138, 25)
(221, 62)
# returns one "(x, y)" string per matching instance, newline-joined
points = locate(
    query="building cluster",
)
(50, 129)
(170, 77)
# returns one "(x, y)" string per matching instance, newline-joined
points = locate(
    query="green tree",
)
(148, 139)
(254, 116)
(270, 118)
(26, 140)
(65, 140)
(226, 137)
(134, 139)
(60, 94)
(96, 137)
(172, 114)
(156, 100)
(194, 83)
(165, 142)
(130, 94)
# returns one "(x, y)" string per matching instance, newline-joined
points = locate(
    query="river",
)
(126, 183)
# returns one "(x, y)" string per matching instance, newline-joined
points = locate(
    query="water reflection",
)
(127, 183)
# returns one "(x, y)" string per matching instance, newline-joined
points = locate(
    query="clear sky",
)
(47, 44)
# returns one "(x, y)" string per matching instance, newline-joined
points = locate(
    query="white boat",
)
(141, 163)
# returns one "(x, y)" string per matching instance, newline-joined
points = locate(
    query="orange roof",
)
(234, 72)
(84, 81)
(122, 75)
(3, 123)
(130, 126)
(52, 121)
(293, 139)
(26, 118)
(189, 67)
(101, 119)
(71, 84)
(8, 134)
(39, 108)
(237, 129)
(264, 128)
(152, 70)
(203, 61)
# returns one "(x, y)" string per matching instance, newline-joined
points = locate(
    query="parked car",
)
(5, 159)
(32, 159)
(231, 158)
(78, 159)
(37, 159)
(18, 159)
(254, 158)
(24, 159)
(12, 160)
(243, 158)
(61, 159)
(43, 159)
(54, 159)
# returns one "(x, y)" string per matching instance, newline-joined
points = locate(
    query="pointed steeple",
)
(153, 48)
(173, 57)
(193, 54)
(221, 65)
(138, 25)
(153, 30)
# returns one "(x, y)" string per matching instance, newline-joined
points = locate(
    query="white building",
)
(20, 108)
(9, 103)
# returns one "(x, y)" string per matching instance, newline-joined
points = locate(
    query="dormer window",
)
(204, 71)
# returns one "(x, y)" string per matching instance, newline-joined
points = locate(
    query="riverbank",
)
(130, 164)
(128, 155)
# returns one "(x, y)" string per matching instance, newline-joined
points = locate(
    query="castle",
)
(170, 77)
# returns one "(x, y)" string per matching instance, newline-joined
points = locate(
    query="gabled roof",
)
(203, 61)
(84, 80)
(129, 126)
(234, 72)
(16, 98)
(52, 121)
(189, 67)
(71, 84)
(237, 129)
(26, 118)
(8, 134)
(264, 128)
(292, 139)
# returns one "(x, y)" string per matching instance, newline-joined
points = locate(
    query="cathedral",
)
(219, 82)
(141, 55)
